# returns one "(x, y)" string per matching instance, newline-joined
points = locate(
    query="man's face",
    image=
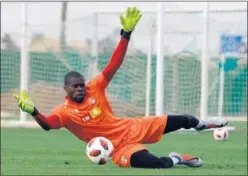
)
(75, 89)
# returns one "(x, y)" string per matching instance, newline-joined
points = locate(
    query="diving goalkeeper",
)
(86, 113)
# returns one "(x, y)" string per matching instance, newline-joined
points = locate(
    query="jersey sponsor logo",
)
(95, 112)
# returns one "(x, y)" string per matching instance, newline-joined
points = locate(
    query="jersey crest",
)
(92, 100)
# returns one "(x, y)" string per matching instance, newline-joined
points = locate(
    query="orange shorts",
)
(144, 130)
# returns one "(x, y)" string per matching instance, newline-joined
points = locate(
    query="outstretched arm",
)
(128, 22)
(117, 57)
(47, 123)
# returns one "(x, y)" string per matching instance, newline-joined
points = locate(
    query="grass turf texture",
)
(57, 152)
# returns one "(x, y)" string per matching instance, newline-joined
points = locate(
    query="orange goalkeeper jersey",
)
(93, 117)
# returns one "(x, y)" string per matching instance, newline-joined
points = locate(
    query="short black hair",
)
(70, 74)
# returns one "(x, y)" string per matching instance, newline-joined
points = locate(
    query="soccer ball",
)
(99, 150)
(220, 134)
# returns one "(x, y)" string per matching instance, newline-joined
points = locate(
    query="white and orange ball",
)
(220, 134)
(99, 150)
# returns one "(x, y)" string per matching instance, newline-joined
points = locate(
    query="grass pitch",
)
(57, 152)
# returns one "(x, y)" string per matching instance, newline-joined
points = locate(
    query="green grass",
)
(36, 152)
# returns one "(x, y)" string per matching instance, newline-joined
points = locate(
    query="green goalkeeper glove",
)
(131, 19)
(25, 103)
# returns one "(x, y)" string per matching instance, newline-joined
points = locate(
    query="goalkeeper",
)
(86, 113)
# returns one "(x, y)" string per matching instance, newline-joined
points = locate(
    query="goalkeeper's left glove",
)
(131, 19)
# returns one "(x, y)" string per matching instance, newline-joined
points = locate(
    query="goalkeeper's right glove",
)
(25, 103)
(131, 19)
